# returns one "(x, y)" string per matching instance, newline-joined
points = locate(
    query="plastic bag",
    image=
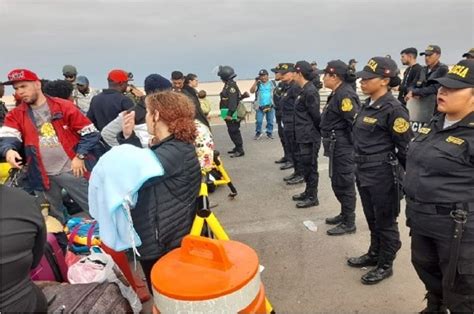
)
(100, 267)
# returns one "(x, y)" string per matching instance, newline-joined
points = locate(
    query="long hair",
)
(176, 111)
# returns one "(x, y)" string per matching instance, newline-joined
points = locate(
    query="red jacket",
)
(75, 132)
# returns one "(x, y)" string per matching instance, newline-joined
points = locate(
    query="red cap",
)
(20, 75)
(118, 76)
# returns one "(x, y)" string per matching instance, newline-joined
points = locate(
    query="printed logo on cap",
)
(372, 64)
(459, 70)
(17, 75)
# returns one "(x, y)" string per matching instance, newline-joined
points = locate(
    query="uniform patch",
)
(471, 125)
(232, 90)
(424, 130)
(455, 140)
(346, 105)
(401, 125)
(369, 120)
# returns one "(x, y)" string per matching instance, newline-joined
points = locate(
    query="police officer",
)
(287, 104)
(307, 133)
(381, 135)
(277, 93)
(336, 130)
(440, 195)
(230, 97)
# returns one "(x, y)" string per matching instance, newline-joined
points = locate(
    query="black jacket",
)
(425, 86)
(410, 77)
(166, 205)
(230, 97)
(106, 106)
(287, 105)
(307, 115)
(191, 93)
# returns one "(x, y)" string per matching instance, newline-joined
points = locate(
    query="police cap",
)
(430, 50)
(284, 68)
(470, 53)
(335, 67)
(379, 67)
(459, 76)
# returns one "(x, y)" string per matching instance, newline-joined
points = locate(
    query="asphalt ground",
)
(305, 271)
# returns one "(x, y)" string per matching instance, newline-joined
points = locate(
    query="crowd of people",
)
(59, 130)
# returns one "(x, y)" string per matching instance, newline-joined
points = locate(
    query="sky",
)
(156, 36)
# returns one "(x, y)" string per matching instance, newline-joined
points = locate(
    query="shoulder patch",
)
(455, 140)
(232, 90)
(369, 120)
(346, 105)
(400, 125)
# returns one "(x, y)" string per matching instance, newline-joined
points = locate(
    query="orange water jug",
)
(207, 275)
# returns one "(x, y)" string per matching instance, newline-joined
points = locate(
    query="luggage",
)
(52, 266)
(86, 298)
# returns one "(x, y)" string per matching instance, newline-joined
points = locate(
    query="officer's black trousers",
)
(233, 128)
(292, 148)
(431, 242)
(281, 135)
(380, 206)
(343, 178)
(307, 154)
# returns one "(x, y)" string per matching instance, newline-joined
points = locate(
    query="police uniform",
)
(307, 137)
(381, 134)
(287, 103)
(230, 97)
(440, 203)
(336, 129)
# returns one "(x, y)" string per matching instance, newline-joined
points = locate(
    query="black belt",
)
(440, 208)
(327, 134)
(373, 158)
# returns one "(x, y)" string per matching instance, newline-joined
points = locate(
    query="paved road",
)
(305, 272)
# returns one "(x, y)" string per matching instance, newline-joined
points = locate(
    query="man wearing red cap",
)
(52, 138)
(106, 106)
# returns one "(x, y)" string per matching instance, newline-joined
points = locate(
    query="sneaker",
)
(257, 136)
(270, 136)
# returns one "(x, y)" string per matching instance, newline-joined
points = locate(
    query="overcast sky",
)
(155, 36)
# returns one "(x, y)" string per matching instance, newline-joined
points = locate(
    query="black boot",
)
(232, 151)
(368, 259)
(282, 160)
(286, 165)
(290, 177)
(341, 229)
(335, 220)
(238, 153)
(434, 304)
(310, 201)
(377, 274)
(299, 197)
(296, 180)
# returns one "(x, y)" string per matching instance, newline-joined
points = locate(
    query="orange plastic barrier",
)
(207, 275)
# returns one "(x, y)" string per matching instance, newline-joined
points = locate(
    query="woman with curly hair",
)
(166, 205)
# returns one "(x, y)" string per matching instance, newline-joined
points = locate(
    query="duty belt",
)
(373, 158)
(327, 134)
(439, 208)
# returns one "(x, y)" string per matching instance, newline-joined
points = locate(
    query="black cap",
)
(284, 68)
(410, 51)
(303, 67)
(263, 72)
(430, 50)
(335, 67)
(177, 75)
(378, 67)
(470, 53)
(460, 76)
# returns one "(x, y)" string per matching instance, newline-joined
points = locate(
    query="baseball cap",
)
(118, 76)
(459, 76)
(470, 53)
(378, 67)
(156, 82)
(20, 75)
(82, 80)
(284, 68)
(430, 50)
(335, 67)
(303, 67)
(69, 70)
(263, 72)
(410, 51)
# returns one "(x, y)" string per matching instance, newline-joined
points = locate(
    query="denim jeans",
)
(270, 116)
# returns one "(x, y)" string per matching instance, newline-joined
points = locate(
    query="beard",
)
(30, 100)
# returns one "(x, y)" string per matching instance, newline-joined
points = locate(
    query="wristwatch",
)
(81, 156)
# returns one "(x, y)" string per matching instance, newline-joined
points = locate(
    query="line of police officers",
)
(371, 145)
